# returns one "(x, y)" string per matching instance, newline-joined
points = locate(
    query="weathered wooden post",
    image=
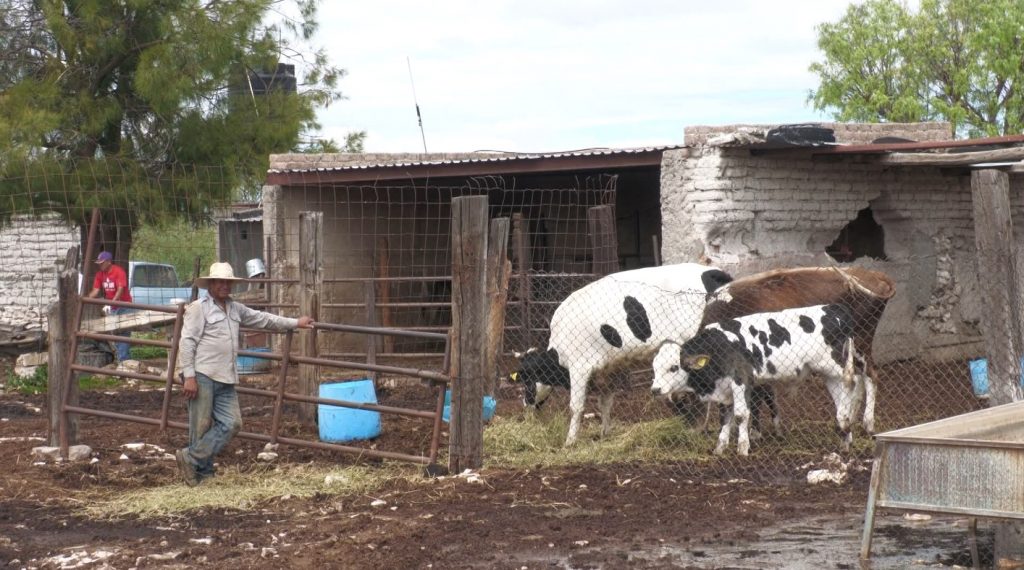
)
(60, 328)
(603, 243)
(469, 327)
(521, 254)
(499, 269)
(311, 280)
(993, 237)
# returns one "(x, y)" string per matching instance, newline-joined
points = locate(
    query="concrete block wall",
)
(34, 249)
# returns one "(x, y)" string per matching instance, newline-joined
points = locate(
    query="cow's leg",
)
(725, 431)
(773, 409)
(869, 397)
(843, 397)
(604, 403)
(741, 410)
(578, 380)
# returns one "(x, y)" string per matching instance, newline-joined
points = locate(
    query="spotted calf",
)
(726, 359)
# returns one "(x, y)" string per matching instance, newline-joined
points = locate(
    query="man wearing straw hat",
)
(207, 358)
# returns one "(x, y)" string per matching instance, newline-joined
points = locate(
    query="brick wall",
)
(749, 213)
(33, 250)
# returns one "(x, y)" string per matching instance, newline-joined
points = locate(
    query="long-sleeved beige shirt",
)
(210, 337)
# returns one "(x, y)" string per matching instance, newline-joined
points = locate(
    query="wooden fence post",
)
(993, 236)
(603, 243)
(311, 280)
(521, 253)
(469, 326)
(60, 327)
(499, 268)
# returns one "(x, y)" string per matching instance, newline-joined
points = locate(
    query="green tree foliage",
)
(144, 108)
(960, 61)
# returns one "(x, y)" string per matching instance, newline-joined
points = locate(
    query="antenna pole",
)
(419, 118)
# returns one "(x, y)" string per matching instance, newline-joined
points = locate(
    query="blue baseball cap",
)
(105, 256)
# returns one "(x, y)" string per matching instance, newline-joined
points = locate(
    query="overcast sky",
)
(551, 75)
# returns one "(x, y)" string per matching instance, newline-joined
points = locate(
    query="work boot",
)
(188, 471)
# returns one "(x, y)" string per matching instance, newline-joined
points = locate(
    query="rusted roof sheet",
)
(520, 163)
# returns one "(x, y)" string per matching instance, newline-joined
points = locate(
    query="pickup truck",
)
(156, 284)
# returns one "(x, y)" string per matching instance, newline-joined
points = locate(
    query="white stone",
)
(267, 456)
(378, 503)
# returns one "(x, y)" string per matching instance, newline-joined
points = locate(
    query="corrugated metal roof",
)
(498, 158)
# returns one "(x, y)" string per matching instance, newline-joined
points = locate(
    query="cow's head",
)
(538, 372)
(693, 366)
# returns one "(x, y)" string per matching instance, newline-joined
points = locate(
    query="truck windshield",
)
(155, 276)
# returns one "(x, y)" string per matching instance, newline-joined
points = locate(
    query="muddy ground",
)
(621, 516)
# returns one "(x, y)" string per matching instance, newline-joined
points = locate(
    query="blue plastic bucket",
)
(489, 406)
(346, 424)
(979, 375)
(253, 364)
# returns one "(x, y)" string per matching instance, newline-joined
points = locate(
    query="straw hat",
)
(222, 271)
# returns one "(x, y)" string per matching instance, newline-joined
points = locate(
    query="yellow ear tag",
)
(700, 362)
(514, 376)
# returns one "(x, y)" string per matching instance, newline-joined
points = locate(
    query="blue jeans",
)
(213, 419)
(122, 349)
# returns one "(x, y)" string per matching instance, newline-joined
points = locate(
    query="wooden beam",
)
(499, 269)
(996, 257)
(311, 280)
(603, 243)
(60, 329)
(1013, 154)
(469, 328)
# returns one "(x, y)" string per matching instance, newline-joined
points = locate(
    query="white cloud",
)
(553, 75)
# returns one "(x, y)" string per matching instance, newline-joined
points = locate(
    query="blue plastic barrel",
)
(979, 375)
(253, 364)
(339, 424)
(489, 406)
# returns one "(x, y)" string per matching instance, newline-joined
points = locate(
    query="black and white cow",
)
(612, 324)
(726, 359)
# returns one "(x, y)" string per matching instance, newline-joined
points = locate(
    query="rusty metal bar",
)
(397, 304)
(378, 330)
(341, 403)
(172, 361)
(435, 437)
(429, 375)
(259, 436)
(383, 354)
(115, 338)
(158, 308)
(118, 373)
(275, 423)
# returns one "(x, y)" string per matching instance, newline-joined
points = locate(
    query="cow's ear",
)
(697, 361)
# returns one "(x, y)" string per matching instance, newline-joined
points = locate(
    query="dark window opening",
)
(862, 237)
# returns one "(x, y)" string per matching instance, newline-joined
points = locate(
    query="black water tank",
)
(281, 79)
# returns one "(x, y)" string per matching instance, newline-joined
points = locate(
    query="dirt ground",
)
(621, 516)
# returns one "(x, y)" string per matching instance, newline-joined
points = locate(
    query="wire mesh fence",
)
(385, 259)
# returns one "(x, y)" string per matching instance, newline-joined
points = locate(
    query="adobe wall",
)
(34, 249)
(747, 213)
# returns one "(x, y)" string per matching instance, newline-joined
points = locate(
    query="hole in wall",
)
(861, 237)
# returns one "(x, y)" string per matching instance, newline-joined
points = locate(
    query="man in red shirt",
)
(113, 282)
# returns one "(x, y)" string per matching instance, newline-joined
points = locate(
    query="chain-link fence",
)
(682, 352)
(804, 370)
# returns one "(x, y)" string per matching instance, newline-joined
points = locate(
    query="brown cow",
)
(864, 291)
